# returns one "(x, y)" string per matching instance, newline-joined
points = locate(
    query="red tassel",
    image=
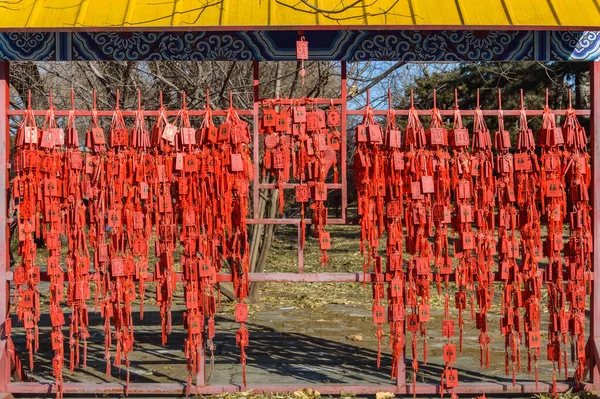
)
(481, 356)
(36, 329)
(188, 386)
(414, 384)
(84, 353)
(29, 343)
(280, 195)
(379, 336)
(566, 363)
(244, 367)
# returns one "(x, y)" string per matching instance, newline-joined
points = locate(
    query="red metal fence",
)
(401, 387)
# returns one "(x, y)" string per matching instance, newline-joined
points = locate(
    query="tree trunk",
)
(261, 243)
(267, 241)
(262, 235)
(257, 232)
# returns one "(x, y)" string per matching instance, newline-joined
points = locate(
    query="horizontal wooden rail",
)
(399, 112)
(323, 277)
(485, 112)
(326, 389)
(88, 113)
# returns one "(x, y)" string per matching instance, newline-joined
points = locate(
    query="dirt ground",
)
(300, 333)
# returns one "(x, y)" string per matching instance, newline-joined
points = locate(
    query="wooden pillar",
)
(595, 149)
(5, 361)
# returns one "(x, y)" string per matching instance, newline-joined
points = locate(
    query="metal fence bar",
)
(344, 154)
(272, 186)
(470, 112)
(5, 356)
(327, 389)
(256, 104)
(324, 277)
(291, 221)
(81, 112)
(595, 148)
(349, 112)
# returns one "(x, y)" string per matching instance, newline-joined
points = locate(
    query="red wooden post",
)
(595, 148)
(255, 97)
(5, 363)
(344, 149)
(300, 249)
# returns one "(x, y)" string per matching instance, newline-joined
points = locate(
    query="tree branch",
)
(329, 14)
(377, 79)
(105, 81)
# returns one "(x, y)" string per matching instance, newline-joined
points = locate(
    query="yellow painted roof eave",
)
(142, 15)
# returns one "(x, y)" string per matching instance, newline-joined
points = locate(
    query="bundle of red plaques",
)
(302, 142)
(464, 208)
(496, 197)
(186, 186)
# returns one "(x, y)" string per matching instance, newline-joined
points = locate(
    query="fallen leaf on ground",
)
(307, 393)
(384, 395)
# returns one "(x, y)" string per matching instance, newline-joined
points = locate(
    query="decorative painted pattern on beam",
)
(406, 45)
(231, 15)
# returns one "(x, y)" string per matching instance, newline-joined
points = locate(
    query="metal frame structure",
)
(401, 387)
